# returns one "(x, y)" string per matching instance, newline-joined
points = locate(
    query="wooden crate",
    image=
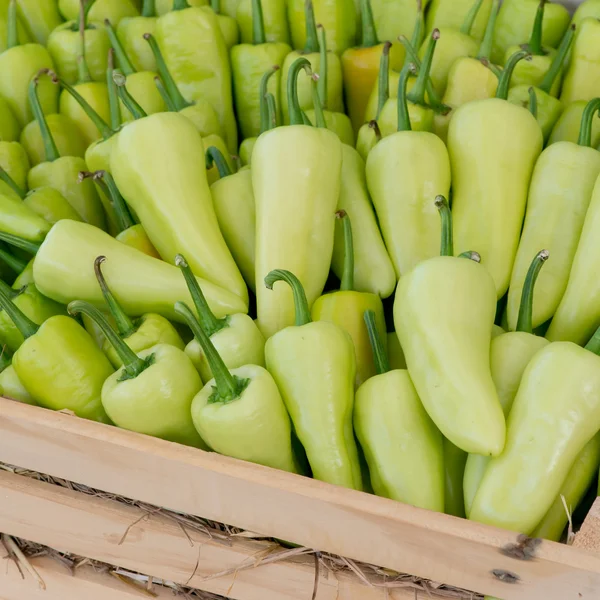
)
(277, 504)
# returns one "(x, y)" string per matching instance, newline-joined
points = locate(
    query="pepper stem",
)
(504, 81)
(262, 91)
(21, 321)
(369, 33)
(50, 148)
(8, 290)
(524, 322)
(323, 66)
(382, 363)
(209, 323)
(215, 156)
(447, 246)
(165, 74)
(488, 38)
(12, 36)
(383, 79)
(587, 120)
(228, 387)
(559, 60)
(535, 41)
(292, 89)
(82, 68)
(271, 111)
(149, 8)
(113, 96)
(258, 23)
(216, 6)
(375, 127)
(415, 38)
(417, 94)
(300, 301)
(19, 242)
(162, 90)
(126, 98)
(471, 255)
(124, 62)
(318, 107)
(125, 325)
(106, 180)
(10, 182)
(12, 262)
(348, 272)
(180, 4)
(5, 358)
(533, 102)
(470, 17)
(403, 116)
(312, 43)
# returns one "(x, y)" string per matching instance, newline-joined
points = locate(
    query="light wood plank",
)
(298, 509)
(588, 536)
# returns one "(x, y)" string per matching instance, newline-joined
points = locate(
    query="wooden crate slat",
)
(310, 513)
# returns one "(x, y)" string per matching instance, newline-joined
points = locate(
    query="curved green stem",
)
(369, 33)
(258, 23)
(347, 284)
(12, 262)
(403, 116)
(417, 94)
(470, 17)
(8, 290)
(471, 255)
(415, 39)
(271, 112)
(103, 127)
(300, 301)
(587, 120)
(125, 325)
(312, 42)
(126, 98)
(375, 127)
(318, 107)
(306, 120)
(21, 321)
(113, 96)
(215, 157)
(323, 66)
(216, 6)
(488, 38)
(504, 81)
(210, 324)
(165, 74)
(149, 8)
(262, 91)
(447, 246)
(559, 60)
(533, 102)
(535, 41)
(124, 63)
(124, 218)
(524, 322)
(380, 358)
(82, 69)
(180, 4)
(50, 148)
(19, 242)
(10, 182)
(228, 387)
(12, 38)
(133, 365)
(292, 89)
(162, 90)
(383, 79)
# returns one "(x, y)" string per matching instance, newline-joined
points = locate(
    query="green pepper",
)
(14, 166)
(16, 218)
(9, 126)
(63, 271)
(454, 470)
(152, 391)
(408, 219)
(276, 29)
(402, 446)
(312, 54)
(568, 125)
(397, 18)
(555, 414)
(248, 63)
(61, 173)
(228, 25)
(236, 337)
(39, 18)
(346, 308)
(559, 195)
(373, 269)
(515, 22)
(196, 55)
(50, 204)
(492, 141)
(587, 9)
(199, 112)
(115, 10)
(24, 277)
(34, 305)
(572, 491)
(240, 412)
(452, 13)
(18, 64)
(510, 353)
(130, 32)
(443, 312)
(165, 6)
(294, 209)
(23, 35)
(233, 200)
(59, 364)
(190, 225)
(581, 78)
(10, 384)
(313, 365)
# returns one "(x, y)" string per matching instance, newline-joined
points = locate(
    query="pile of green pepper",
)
(351, 240)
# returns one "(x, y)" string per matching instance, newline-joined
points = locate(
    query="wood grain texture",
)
(588, 537)
(307, 512)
